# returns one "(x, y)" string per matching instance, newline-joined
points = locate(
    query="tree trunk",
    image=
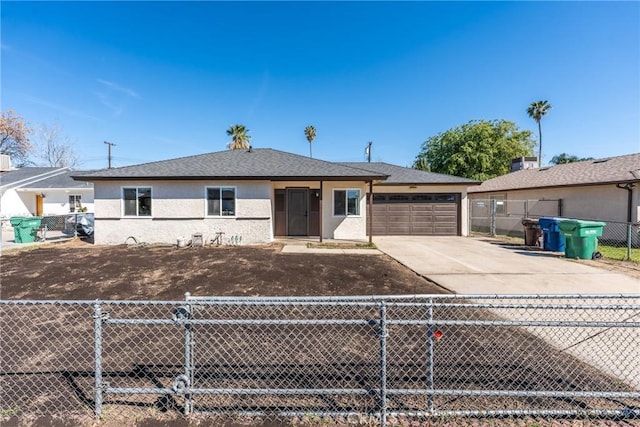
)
(540, 146)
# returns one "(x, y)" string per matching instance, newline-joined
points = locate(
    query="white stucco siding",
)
(12, 204)
(178, 209)
(344, 227)
(414, 189)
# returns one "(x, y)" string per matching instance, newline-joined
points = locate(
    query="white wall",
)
(179, 210)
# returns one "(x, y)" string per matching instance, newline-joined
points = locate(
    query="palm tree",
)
(536, 111)
(310, 133)
(239, 137)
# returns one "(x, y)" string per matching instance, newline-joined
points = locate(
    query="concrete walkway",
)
(8, 240)
(467, 265)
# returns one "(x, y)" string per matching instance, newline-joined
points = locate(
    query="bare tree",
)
(53, 148)
(14, 137)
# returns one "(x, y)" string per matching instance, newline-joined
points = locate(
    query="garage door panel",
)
(421, 208)
(446, 207)
(399, 208)
(417, 214)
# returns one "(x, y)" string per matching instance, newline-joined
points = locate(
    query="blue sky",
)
(166, 79)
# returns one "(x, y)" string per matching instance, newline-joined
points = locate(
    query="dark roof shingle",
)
(589, 172)
(401, 175)
(259, 163)
(63, 180)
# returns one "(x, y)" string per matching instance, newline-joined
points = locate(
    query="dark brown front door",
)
(297, 212)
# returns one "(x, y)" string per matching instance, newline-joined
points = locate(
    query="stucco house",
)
(257, 195)
(38, 191)
(605, 189)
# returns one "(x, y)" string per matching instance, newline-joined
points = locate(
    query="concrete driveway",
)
(468, 265)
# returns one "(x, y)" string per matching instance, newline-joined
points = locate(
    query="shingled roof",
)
(611, 170)
(23, 176)
(400, 175)
(256, 164)
(62, 180)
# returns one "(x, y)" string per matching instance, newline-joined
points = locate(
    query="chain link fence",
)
(619, 240)
(387, 360)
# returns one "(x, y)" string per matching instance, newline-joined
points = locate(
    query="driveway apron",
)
(467, 265)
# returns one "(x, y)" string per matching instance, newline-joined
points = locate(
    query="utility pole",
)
(368, 150)
(110, 144)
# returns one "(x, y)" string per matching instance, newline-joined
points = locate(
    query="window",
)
(137, 201)
(346, 202)
(74, 202)
(221, 201)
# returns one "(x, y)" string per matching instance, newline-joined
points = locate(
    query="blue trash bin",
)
(553, 238)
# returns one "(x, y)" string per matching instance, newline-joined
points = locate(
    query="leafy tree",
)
(479, 149)
(536, 111)
(563, 158)
(310, 133)
(239, 137)
(14, 137)
(53, 148)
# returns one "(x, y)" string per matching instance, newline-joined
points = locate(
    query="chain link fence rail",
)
(619, 240)
(382, 358)
(504, 217)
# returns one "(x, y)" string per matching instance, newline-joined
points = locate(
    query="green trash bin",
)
(581, 237)
(15, 223)
(28, 229)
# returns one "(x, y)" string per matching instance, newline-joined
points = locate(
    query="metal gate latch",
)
(180, 384)
(181, 313)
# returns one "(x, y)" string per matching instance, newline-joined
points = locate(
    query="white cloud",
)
(116, 87)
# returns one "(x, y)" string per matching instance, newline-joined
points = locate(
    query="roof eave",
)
(430, 183)
(218, 178)
(584, 184)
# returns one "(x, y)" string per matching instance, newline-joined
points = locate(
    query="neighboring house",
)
(606, 189)
(60, 194)
(258, 194)
(35, 191)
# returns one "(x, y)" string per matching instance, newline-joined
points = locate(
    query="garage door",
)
(415, 214)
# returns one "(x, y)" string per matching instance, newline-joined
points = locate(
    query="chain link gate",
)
(383, 358)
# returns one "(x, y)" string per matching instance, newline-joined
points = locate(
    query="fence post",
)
(430, 354)
(526, 208)
(492, 220)
(188, 358)
(629, 238)
(97, 336)
(383, 364)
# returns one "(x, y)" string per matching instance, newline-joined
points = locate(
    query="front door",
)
(39, 205)
(297, 212)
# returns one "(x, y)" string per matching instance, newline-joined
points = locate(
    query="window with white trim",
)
(221, 201)
(136, 201)
(346, 202)
(75, 202)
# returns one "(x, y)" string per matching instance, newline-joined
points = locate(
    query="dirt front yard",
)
(79, 271)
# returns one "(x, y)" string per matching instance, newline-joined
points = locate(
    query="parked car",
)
(82, 223)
